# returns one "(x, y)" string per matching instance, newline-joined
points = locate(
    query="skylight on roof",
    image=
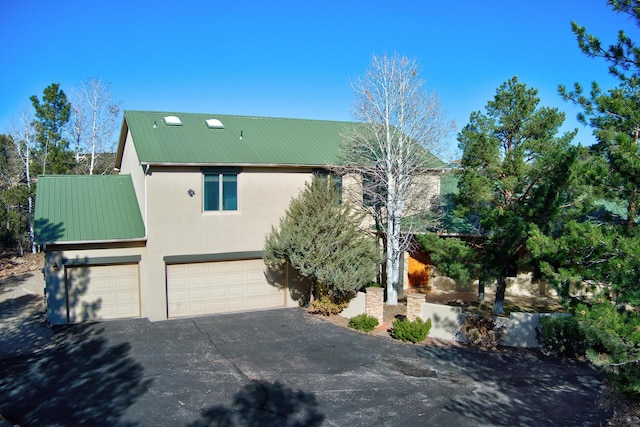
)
(214, 124)
(172, 121)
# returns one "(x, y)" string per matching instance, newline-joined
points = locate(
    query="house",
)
(180, 231)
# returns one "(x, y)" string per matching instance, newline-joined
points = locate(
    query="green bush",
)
(363, 322)
(416, 331)
(481, 331)
(562, 336)
(371, 285)
(326, 307)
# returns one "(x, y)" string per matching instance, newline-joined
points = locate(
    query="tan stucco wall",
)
(131, 165)
(178, 225)
(424, 189)
(57, 256)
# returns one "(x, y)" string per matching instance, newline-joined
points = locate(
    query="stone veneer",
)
(375, 303)
(414, 306)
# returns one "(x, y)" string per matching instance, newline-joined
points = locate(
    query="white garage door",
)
(102, 292)
(220, 287)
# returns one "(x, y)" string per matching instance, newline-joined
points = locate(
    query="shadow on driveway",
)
(265, 404)
(277, 368)
(79, 380)
(519, 387)
(71, 378)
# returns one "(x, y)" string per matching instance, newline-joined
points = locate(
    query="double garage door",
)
(203, 288)
(99, 292)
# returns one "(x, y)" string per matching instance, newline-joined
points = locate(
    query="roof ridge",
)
(240, 116)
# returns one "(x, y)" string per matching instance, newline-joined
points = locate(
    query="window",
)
(221, 192)
(373, 193)
(336, 180)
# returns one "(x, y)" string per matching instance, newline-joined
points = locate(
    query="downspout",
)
(146, 168)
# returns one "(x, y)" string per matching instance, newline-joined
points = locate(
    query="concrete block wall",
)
(445, 320)
(356, 306)
(520, 328)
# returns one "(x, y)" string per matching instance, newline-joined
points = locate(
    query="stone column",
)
(414, 305)
(374, 305)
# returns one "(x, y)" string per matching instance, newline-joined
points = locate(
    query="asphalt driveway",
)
(278, 368)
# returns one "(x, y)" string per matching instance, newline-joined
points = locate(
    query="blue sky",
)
(295, 58)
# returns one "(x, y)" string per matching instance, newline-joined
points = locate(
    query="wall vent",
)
(172, 121)
(214, 124)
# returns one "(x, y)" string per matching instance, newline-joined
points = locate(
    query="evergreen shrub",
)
(562, 336)
(363, 322)
(415, 331)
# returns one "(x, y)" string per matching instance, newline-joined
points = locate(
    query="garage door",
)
(102, 292)
(220, 287)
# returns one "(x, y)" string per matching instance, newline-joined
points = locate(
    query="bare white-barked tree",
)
(392, 152)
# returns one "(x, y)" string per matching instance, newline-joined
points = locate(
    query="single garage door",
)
(198, 289)
(98, 292)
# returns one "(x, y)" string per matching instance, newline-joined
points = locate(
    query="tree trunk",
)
(393, 273)
(480, 290)
(498, 306)
(27, 171)
(31, 229)
(632, 208)
(394, 256)
(92, 165)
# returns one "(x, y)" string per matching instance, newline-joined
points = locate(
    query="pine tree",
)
(514, 172)
(52, 114)
(322, 240)
(614, 114)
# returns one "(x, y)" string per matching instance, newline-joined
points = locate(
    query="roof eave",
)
(209, 164)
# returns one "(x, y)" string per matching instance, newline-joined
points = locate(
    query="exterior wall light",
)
(191, 193)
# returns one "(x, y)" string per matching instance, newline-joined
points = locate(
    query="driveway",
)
(273, 368)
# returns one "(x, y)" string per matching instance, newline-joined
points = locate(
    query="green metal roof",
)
(449, 183)
(75, 208)
(243, 140)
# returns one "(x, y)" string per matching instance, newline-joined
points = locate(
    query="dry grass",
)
(12, 264)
